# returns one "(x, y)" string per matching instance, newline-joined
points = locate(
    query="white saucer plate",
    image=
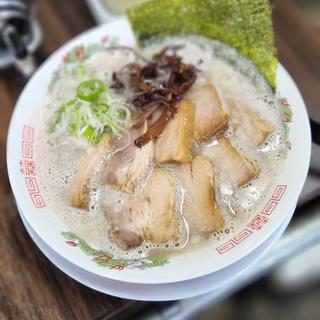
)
(158, 292)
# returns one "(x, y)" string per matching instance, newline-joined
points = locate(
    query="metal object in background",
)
(19, 35)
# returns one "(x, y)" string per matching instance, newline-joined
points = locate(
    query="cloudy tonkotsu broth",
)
(115, 210)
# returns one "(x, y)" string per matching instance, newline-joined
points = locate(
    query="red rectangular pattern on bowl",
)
(258, 221)
(28, 166)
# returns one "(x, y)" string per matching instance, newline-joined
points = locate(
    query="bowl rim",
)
(146, 292)
(139, 276)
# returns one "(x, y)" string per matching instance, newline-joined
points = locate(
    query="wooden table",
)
(30, 286)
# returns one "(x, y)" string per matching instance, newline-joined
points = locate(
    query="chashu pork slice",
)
(80, 189)
(255, 128)
(199, 207)
(211, 119)
(235, 166)
(149, 216)
(129, 165)
(175, 142)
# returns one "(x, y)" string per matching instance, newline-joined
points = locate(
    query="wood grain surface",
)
(30, 286)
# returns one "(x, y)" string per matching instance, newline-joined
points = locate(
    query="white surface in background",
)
(303, 270)
(300, 272)
(100, 13)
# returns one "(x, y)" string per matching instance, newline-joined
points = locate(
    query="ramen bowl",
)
(166, 291)
(276, 207)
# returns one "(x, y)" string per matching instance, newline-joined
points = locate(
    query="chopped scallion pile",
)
(93, 111)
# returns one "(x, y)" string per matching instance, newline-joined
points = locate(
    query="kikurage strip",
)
(150, 94)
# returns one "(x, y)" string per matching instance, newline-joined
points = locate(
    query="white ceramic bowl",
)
(20, 148)
(165, 291)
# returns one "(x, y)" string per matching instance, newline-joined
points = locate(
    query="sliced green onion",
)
(101, 109)
(115, 129)
(76, 123)
(58, 115)
(90, 90)
(91, 135)
(93, 111)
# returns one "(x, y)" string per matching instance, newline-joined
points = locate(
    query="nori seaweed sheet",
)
(244, 24)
